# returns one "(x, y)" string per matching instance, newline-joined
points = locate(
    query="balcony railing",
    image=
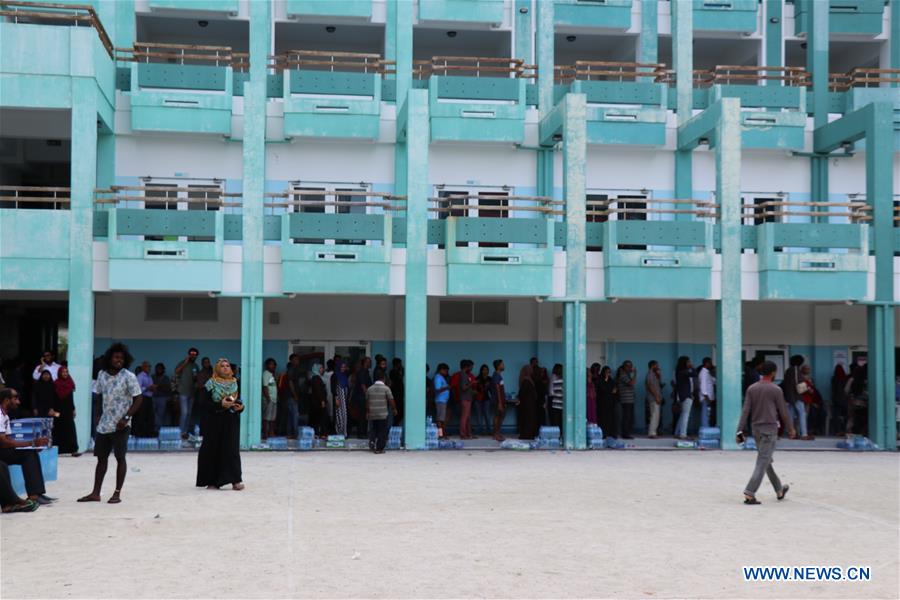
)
(18, 196)
(856, 212)
(862, 77)
(596, 70)
(473, 66)
(314, 60)
(624, 209)
(51, 13)
(144, 196)
(180, 54)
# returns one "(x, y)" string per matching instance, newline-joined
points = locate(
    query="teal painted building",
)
(579, 181)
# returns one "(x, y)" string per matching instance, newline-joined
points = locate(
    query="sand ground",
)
(460, 524)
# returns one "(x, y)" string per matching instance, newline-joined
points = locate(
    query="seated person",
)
(9, 499)
(27, 459)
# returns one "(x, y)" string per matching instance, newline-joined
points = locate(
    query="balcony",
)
(862, 17)
(43, 45)
(331, 94)
(626, 101)
(468, 11)
(172, 238)
(678, 265)
(861, 86)
(217, 6)
(811, 260)
(181, 87)
(772, 115)
(475, 98)
(329, 8)
(332, 242)
(30, 217)
(726, 15)
(608, 14)
(490, 251)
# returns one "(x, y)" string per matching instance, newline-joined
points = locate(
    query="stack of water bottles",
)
(28, 430)
(516, 445)
(595, 437)
(307, 435)
(858, 443)
(614, 444)
(709, 437)
(277, 443)
(431, 435)
(548, 438)
(169, 438)
(335, 441)
(450, 445)
(145, 444)
(394, 437)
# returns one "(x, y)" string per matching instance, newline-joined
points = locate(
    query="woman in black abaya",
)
(219, 460)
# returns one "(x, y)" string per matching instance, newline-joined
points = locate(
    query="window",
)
(199, 201)
(493, 199)
(162, 204)
(762, 211)
(468, 312)
(322, 198)
(357, 206)
(635, 208)
(177, 308)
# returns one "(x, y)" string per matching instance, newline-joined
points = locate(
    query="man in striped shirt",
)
(379, 400)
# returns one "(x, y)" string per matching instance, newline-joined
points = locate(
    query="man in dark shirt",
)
(765, 401)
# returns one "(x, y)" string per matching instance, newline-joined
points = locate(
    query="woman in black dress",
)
(606, 402)
(527, 410)
(43, 395)
(219, 459)
(64, 435)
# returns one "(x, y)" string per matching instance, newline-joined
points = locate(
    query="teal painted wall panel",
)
(186, 113)
(609, 14)
(228, 6)
(474, 11)
(845, 16)
(18, 42)
(619, 92)
(35, 274)
(335, 277)
(499, 280)
(478, 88)
(24, 233)
(182, 77)
(793, 285)
(725, 15)
(333, 82)
(330, 8)
(313, 114)
(189, 274)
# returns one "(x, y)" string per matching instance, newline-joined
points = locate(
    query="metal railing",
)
(152, 52)
(755, 213)
(161, 196)
(49, 13)
(354, 62)
(461, 204)
(599, 70)
(862, 77)
(295, 200)
(743, 75)
(622, 209)
(30, 196)
(472, 66)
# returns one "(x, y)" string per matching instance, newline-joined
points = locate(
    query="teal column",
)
(545, 172)
(728, 308)
(575, 314)
(402, 12)
(390, 35)
(524, 33)
(254, 183)
(817, 65)
(881, 342)
(125, 25)
(895, 37)
(81, 244)
(648, 42)
(415, 343)
(774, 36)
(545, 61)
(683, 55)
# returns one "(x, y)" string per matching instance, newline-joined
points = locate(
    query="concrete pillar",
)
(416, 309)
(575, 316)
(774, 41)
(254, 184)
(524, 30)
(683, 56)
(648, 42)
(81, 244)
(728, 308)
(545, 61)
(817, 65)
(879, 192)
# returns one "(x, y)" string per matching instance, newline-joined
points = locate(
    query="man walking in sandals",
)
(765, 402)
(121, 394)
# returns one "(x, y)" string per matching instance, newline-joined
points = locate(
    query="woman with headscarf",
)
(591, 409)
(606, 402)
(340, 390)
(527, 410)
(319, 405)
(43, 395)
(64, 435)
(219, 460)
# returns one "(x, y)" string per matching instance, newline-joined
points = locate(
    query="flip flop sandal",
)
(88, 498)
(783, 493)
(29, 506)
(751, 500)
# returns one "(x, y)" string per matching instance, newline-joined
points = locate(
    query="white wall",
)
(168, 155)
